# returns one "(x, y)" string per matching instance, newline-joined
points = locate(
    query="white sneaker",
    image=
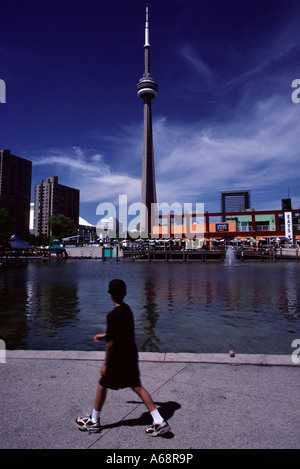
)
(158, 429)
(86, 424)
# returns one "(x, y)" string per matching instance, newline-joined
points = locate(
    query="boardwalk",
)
(204, 255)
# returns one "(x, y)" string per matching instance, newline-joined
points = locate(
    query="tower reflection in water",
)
(149, 316)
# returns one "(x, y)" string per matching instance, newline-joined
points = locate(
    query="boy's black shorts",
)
(105, 383)
(118, 377)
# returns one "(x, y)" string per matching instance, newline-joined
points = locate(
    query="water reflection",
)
(37, 303)
(289, 305)
(178, 307)
(13, 299)
(51, 306)
(149, 316)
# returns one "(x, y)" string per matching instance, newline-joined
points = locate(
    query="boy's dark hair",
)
(117, 289)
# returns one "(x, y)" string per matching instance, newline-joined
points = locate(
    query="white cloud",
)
(87, 171)
(190, 55)
(74, 159)
(258, 151)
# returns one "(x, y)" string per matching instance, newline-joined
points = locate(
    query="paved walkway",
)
(210, 401)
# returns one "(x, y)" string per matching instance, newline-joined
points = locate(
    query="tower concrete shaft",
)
(147, 90)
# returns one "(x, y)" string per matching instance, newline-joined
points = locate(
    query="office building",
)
(15, 188)
(52, 198)
(235, 201)
(286, 204)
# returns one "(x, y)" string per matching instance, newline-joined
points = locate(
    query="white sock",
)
(156, 416)
(95, 416)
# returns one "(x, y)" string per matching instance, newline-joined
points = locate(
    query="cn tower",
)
(147, 90)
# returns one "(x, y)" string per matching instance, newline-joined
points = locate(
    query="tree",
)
(62, 226)
(40, 240)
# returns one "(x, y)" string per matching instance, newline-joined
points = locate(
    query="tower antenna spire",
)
(147, 43)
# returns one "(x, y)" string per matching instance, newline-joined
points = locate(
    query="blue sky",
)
(223, 118)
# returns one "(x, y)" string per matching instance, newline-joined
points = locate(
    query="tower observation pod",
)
(147, 90)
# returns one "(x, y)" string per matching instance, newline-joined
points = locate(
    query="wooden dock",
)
(204, 255)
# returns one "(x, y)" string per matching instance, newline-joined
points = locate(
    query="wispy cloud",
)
(75, 159)
(273, 59)
(194, 162)
(86, 170)
(189, 54)
(257, 151)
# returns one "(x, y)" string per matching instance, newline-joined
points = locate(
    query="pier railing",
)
(218, 254)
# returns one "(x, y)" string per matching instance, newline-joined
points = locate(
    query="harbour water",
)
(201, 307)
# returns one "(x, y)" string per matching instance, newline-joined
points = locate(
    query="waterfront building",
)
(52, 198)
(15, 188)
(147, 90)
(86, 234)
(108, 228)
(86, 229)
(263, 225)
(31, 218)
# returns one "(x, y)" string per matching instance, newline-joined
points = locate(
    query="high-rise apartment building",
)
(15, 188)
(51, 198)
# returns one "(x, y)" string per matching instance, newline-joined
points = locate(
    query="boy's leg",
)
(146, 398)
(100, 398)
(92, 423)
(99, 401)
(159, 426)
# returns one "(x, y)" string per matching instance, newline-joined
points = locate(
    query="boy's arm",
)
(99, 337)
(108, 350)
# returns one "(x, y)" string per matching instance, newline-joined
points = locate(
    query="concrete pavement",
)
(210, 400)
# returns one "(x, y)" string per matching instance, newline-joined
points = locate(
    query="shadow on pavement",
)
(166, 410)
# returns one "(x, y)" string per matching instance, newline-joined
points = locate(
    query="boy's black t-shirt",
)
(120, 329)
(122, 366)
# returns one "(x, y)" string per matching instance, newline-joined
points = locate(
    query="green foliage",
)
(37, 241)
(62, 226)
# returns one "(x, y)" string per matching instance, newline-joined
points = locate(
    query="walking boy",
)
(120, 368)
